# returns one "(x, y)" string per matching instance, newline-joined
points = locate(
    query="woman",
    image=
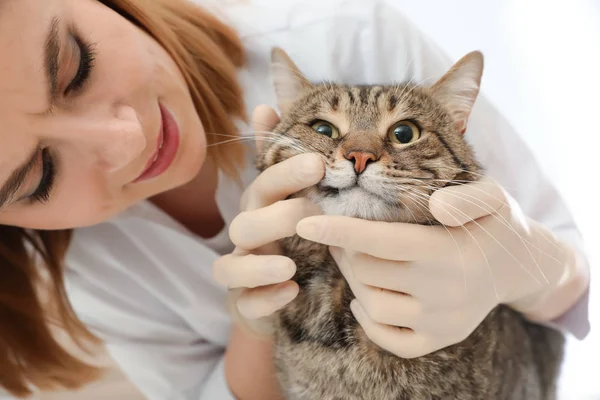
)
(117, 184)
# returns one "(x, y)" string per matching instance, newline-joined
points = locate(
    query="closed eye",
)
(86, 63)
(44, 189)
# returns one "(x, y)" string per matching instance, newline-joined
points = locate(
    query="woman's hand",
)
(256, 268)
(438, 283)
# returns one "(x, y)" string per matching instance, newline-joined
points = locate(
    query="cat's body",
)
(380, 169)
(322, 353)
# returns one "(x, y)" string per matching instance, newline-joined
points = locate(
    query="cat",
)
(386, 149)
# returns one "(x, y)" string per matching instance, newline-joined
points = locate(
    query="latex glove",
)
(440, 282)
(257, 273)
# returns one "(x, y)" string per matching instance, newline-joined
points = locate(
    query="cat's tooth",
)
(155, 157)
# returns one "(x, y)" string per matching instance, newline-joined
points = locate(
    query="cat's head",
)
(386, 148)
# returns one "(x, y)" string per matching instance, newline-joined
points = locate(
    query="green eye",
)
(325, 128)
(404, 132)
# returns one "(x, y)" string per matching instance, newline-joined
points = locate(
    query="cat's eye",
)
(404, 132)
(326, 128)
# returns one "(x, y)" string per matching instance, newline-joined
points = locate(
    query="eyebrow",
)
(51, 54)
(16, 179)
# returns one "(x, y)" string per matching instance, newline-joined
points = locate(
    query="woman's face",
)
(86, 102)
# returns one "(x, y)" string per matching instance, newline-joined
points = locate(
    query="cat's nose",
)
(361, 159)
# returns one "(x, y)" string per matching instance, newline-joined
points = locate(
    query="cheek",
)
(123, 68)
(84, 198)
(403, 160)
(77, 209)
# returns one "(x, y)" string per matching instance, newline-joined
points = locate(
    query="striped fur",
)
(321, 351)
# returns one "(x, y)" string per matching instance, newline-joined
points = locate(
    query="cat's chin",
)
(358, 203)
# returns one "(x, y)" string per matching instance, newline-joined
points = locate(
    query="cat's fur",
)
(321, 351)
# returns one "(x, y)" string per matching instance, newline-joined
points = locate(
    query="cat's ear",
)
(459, 87)
(288, 80)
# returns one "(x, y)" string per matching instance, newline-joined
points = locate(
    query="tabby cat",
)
(386, 148)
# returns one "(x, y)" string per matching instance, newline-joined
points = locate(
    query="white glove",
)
(255, 269)
(439, 282)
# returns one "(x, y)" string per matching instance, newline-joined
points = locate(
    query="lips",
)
(166, 147)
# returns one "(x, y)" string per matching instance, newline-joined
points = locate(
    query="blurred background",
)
(542, 70)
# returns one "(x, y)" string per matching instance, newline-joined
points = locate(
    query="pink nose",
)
(361, 159)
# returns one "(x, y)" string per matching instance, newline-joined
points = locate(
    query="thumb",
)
(458, 205)
(264, 120)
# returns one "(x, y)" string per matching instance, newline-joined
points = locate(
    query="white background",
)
(542, 70)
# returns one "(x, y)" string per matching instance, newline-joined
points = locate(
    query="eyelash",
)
(42, 193)
(86, 63)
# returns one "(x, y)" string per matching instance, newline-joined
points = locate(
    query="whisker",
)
(409, 210)
(480, 175)
(250, 134)
(523, 240)
(499, 243)
(504, 222)
(486, 261)
(228, 141)
(492, 212)
(278, 139)
(424, 202)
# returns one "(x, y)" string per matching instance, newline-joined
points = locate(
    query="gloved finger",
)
(457, 205)
(265, 300)
(236, 270)
(397, 276)
(264, 119)
(390, 308)
(385, 240)
(382, 306)
(404, 343)
(435, 285)
(283, 179)
(252, 229)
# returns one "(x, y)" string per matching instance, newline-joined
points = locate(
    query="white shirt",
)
(143, 283)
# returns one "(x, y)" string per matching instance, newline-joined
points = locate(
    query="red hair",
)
(33, 299)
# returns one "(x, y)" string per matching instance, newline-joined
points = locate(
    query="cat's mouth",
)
(330, 191)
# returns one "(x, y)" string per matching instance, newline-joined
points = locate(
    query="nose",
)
(361, 159)
(112, 142)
